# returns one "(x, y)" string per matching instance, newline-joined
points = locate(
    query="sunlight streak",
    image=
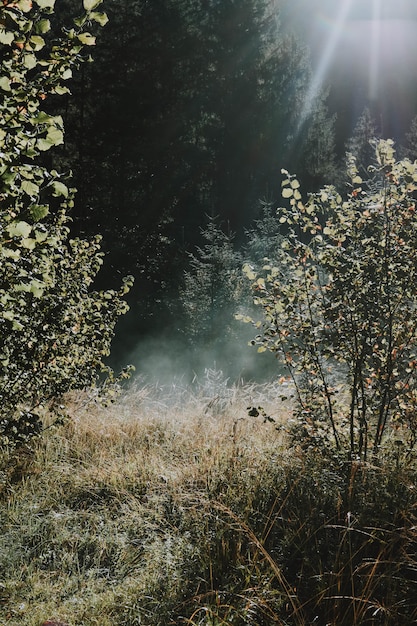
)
(325, 60)
(374, 50)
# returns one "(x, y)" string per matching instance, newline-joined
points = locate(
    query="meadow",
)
(175, 506)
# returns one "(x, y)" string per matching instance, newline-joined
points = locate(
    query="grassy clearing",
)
(178, 508)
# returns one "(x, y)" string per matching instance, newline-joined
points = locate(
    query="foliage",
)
(211, 287)
(54, 331)
(361, 145)
(314, 148)
(410, 148)
(339, 307)
(188, 110)
(265, 237)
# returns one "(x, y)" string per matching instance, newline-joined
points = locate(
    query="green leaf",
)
(248, 270)
(8, 315)
(32, 189)
(100, 18)
(29, 61)
(90, 5)
(19, 229)
(60, 91)
(6, 37)
(37, 288)
(37, 42)
(43, 144)
(43, 26)
(25, 5)
(80, 21)
(66, 74)
(9, 253)
(43, 118)
(40, 236)
(29, 243)
(45, 4)
(55, 136)
(5, 83)
(87, 39)
(59, 189)
(38, 212)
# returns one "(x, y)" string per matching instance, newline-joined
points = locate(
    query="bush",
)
(54, 330)
(339, 308)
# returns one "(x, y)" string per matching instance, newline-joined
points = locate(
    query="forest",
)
(208, 287)
(175, 136)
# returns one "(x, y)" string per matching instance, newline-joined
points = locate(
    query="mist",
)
(167, 359)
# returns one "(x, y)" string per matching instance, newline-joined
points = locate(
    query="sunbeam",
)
(320, 73)
(374, 50)
(366, 52)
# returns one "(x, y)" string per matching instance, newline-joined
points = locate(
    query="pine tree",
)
(211, 287)
(264, 238)
(318, 161)
(361, 144)
(410, 148)
(191, 108)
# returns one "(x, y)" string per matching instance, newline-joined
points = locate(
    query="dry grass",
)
(176, 507)
(106, 509)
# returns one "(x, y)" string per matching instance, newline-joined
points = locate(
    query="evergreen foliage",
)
(361, 145)
(410, 150)
(54, 330)
(193, 105)
(319, 150)
(265, 237)
(212, 287)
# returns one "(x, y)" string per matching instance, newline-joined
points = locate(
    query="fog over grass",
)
(165, 361)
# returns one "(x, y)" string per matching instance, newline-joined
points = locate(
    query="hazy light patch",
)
(374, 49)
(366, 50)
(167, 360)
(320, 73)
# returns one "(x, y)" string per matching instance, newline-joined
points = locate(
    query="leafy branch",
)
(344, 308)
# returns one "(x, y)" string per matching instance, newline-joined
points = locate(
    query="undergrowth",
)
(180, 508)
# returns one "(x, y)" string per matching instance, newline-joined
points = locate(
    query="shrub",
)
(54, 330)
(339, 308)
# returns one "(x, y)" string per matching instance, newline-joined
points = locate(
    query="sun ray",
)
(375, 50)
(319, 75)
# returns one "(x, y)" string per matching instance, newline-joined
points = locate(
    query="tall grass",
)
(176, 507)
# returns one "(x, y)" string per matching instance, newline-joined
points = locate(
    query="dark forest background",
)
(176, 135)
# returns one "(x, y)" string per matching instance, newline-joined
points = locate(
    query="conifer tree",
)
(410, 148)
(193, 108)
(361, 144)
(211, 287)
(264, 238)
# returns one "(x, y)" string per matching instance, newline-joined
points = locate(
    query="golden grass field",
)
(176, 507)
